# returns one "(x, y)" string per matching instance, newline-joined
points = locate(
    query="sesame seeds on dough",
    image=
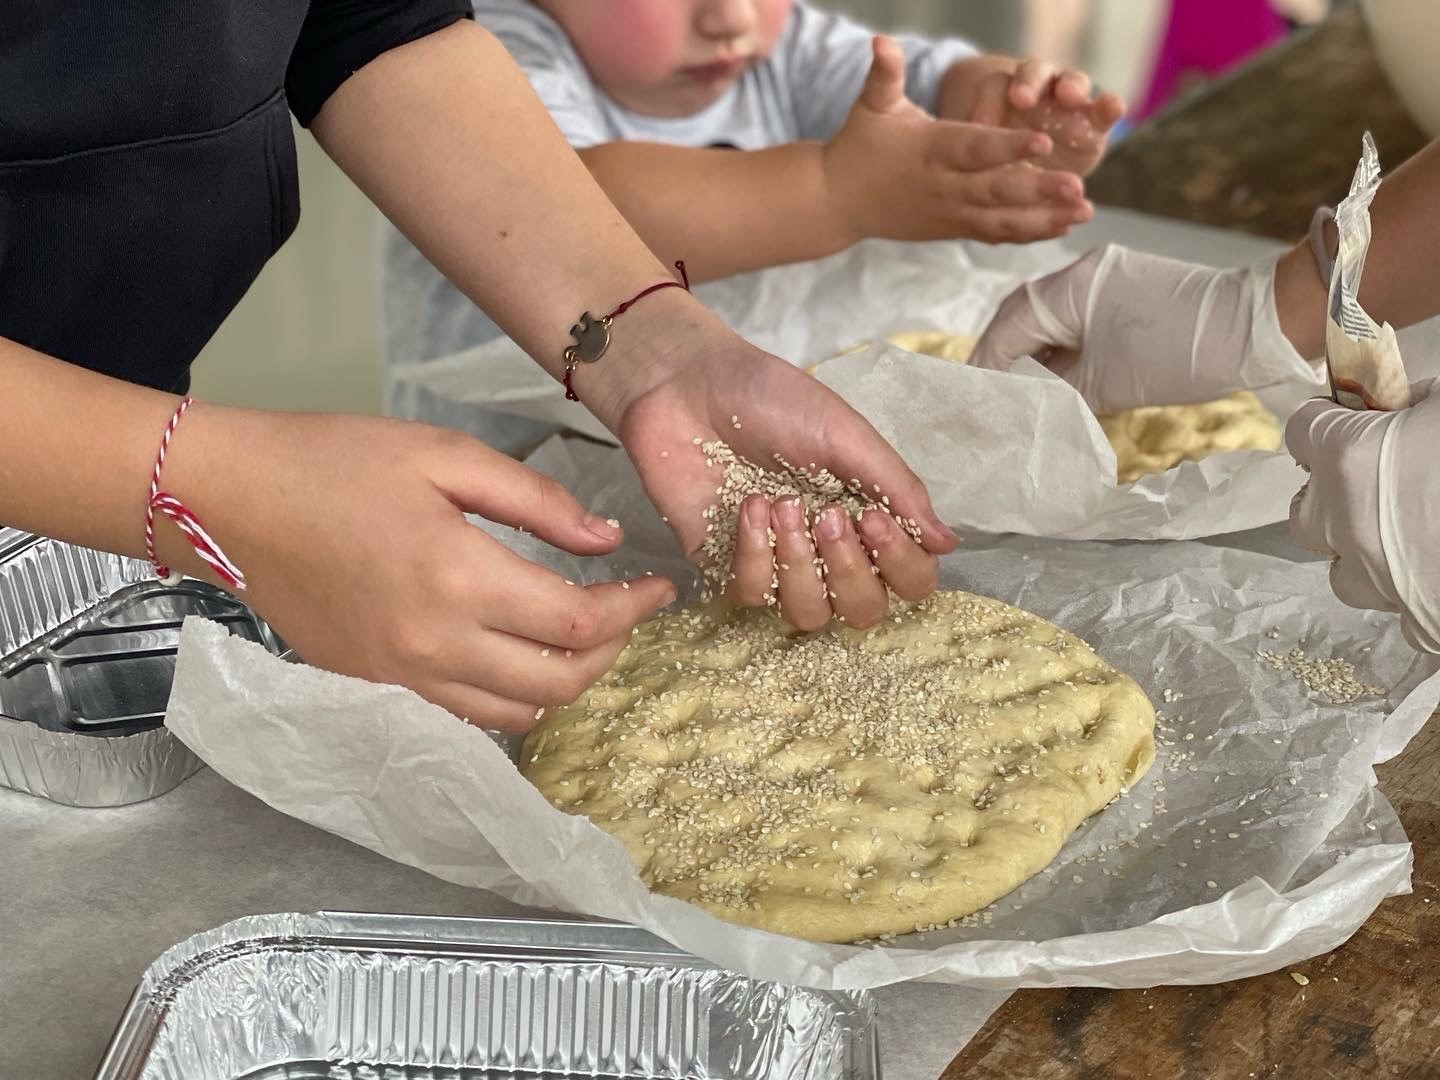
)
(845, 784)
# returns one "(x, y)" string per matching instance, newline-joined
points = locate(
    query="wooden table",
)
(1261, 148)
(1258, 152)
(1369, 1009)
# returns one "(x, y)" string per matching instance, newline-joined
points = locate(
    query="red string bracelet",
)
(592, 335)
(166, 504)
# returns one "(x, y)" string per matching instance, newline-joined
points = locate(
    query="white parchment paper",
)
(1002, 452)
(1257, 840)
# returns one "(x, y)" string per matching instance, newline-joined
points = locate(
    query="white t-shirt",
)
(803, 90)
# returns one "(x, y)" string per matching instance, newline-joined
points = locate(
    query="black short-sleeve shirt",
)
(147, 165)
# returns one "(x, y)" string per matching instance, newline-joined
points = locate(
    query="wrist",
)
(648, 345)
(1300, 299)
(844, 183)
(210, 466)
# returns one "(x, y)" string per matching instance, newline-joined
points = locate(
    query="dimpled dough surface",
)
(1151, 439)
(845, 784)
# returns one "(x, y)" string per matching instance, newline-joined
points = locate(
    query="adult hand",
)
(1371, 504)
(1127, 328)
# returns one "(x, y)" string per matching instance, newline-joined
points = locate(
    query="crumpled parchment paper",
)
(1257, 839)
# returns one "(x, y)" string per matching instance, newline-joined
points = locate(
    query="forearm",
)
(447, 138)
(723, 211)
(1401, 284)
(76, 450)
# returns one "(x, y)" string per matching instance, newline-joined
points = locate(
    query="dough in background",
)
(1148, 440)
(1157, 438)
(845, 784)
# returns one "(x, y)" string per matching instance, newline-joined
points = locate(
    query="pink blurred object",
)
(1206, 38)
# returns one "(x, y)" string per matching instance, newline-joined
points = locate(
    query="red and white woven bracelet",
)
(163, 502)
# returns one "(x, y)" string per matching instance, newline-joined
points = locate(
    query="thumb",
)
(1321, 428)
(501, 489)
(884, 87)
(1025, 325)
(1045, 314)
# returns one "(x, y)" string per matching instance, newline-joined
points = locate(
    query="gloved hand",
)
(1126, 328)
(1371, 504)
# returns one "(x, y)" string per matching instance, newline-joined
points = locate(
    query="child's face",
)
(669, 57)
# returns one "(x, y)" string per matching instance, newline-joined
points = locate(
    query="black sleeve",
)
(340, 37)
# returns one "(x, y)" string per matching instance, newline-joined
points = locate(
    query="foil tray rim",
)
(559, 941)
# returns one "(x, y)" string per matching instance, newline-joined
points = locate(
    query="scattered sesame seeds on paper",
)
(1302, 869)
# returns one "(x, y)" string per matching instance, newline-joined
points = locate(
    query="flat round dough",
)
(1147, 440)
(845, 784)
(1157, 438)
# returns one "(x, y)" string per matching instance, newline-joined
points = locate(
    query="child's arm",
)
(891, 171)
(350, 529)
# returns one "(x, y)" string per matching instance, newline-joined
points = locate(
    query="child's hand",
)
(1033, 95)
(895, 171)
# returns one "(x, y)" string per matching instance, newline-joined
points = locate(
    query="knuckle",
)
(583, 626)
(414, 645)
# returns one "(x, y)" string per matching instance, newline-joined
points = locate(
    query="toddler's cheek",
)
(636, 41)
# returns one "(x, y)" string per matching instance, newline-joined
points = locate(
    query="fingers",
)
(1106, 111)
(803, 599)
(991, 99)
(489, 483)
(911, 572)
(1020, 224)
(884, 87)
(855, 591)
(753, 565)
(860, 452)
(533, 673)
(1313, 426)
(853, 569)
(1021, 185)
(530, 602)
(482, 708)
(1029, 83)
(971, 147)
(1016, 330)
(1072, 89)
(1354, 587)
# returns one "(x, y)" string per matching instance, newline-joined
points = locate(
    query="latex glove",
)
(781, 410)
(894, 171)
(1371, 504)
(1126, 329)
(352, 536)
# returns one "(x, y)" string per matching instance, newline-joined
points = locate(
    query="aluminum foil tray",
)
(385, 997)
(87, 655)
